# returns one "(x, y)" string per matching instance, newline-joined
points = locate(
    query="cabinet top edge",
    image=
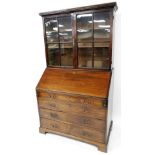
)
(112, 5)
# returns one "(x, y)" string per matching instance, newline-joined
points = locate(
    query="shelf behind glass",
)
(84, 27)
(85, 56)
(66, 54)
(102, 26)
(51, 28)
(65, 29)
(54, 55)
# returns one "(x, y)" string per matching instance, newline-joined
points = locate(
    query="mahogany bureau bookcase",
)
(74, 93)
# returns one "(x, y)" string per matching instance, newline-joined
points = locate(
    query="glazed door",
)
(79, 40)
(94, 40)
(59, 41)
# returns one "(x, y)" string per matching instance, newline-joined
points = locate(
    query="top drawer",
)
(71, 99)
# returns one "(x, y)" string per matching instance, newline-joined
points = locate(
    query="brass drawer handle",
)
(53, 96)
(53, 115)
(84, 133)
(85, 121)
(53, 105)
(54, 126)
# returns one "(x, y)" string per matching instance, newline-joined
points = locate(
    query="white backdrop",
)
(22, 61)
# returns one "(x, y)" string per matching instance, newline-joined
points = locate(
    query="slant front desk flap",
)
(89, 83)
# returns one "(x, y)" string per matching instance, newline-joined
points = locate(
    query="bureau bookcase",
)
(74, 93)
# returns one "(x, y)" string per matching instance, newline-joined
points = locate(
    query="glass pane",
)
(84, 27)
(102, 26)
(51, 30)
(66, 54)
(65, 29)
(85, 55)
(53, 54)
(101, 56)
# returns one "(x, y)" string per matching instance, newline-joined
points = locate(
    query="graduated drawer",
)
(73, 130)
(86, 109)
(77, 119)
(71, 98)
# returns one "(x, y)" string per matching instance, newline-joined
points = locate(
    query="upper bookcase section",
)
(79, 38)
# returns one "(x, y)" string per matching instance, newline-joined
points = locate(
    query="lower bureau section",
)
(73, 130)
(78, 117)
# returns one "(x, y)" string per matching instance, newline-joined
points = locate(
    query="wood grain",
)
(74, 130)
(82, 109)
(68, 98)
(101, 146)
(91, 83)
(77, 119)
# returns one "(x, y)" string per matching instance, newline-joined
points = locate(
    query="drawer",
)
(77, 108)
(73, 130)
(73, 118)
(72, 99)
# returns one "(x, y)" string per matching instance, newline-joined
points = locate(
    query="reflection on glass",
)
(65, 29)
(53, 54)
(51, 30)
(85, 55)
(66, 54)
(101, 26)
(84, 27)
(101, 56)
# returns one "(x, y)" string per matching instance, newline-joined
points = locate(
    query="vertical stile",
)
(93, 40)
(59, 41)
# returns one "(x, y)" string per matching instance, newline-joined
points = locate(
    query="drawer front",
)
(73, 130)
(79, 108)
(71, 99)
(73, 118)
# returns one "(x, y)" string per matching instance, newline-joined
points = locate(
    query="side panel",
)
(110, 106)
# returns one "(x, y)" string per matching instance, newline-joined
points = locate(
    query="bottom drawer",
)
(73, 130)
